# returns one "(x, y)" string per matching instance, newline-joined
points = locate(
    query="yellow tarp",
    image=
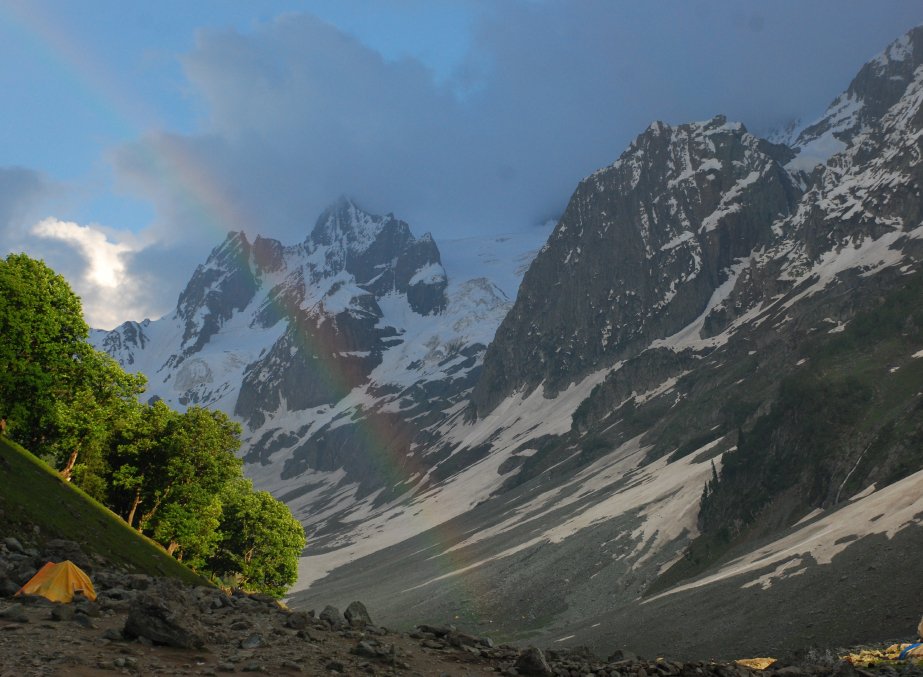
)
(59, 582)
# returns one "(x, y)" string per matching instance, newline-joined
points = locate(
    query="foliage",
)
(260, 540)
(172, 476)
(44, 341)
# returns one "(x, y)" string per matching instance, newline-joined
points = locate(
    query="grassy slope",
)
(32, 494)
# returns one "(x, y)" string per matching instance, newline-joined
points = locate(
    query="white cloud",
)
(96, 266)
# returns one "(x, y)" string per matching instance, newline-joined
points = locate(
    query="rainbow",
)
(211, 202)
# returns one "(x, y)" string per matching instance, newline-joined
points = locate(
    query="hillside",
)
(37, 506)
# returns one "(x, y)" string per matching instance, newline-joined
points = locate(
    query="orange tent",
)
(59, 582)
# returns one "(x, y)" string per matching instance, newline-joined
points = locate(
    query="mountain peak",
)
(347, 223)
(878, 85)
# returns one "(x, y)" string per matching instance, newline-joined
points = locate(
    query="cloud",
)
(96, 265)
(297, 112)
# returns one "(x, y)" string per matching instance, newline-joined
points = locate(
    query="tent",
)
(59, 582)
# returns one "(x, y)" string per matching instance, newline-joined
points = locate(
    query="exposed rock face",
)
(223, 285)
(382, 255)
(639, 251)
(875, 89)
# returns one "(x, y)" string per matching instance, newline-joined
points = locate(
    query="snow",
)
(730, 200)
(518, 419)
(664, 495)
(816, 152)
(431, 273)
(899, 50)
(678, 240)
(886, 511)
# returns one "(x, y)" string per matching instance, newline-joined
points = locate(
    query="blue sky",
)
(134, 135)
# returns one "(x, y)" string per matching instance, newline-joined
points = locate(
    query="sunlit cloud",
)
(96, 266)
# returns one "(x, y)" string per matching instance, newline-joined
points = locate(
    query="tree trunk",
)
(71, 462)
(134, 507)
(172, 547)
(148, 515)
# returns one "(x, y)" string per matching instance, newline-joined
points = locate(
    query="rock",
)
(13, 545)
(335, 666)
(461, 639)
(365, 649)
(7, 587)
(436, 630)
(138, 581)
(357, 615)
(162, 617)
(264, 599)
(24, 573)
(62, 612)
(84, 621)
(297, 620)
(59, 550)
(226, 666)
(15, 613)
(333, 616)
(920, 629)
(844, 669)
(292, 665)
(82, 605)
(532, 662)
(113, 635)
(253, 641)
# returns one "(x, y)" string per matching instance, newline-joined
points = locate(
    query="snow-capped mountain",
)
(708, 386)
(336, 354)
(715, 349)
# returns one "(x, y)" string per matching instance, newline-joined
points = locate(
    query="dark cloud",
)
(297, 112)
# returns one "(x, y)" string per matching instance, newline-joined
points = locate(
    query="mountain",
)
(339, 355)
(706, 390)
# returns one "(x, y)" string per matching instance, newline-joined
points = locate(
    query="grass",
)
(32, 494)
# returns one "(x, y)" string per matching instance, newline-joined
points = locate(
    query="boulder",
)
(164, 619)
(333, 616)
(532, 662)
(297, 620)
(7, 587)
(357, 615)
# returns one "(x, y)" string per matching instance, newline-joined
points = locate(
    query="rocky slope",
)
(140, 625)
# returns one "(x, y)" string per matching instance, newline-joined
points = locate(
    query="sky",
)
(134, 136)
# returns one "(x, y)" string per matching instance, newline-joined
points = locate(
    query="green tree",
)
(196, 461)
(43, 342)
(83, 423)
(260, 540)
(139, 447)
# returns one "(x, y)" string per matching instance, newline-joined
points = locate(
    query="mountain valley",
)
(694, 403)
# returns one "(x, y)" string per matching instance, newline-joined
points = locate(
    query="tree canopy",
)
(173, 476)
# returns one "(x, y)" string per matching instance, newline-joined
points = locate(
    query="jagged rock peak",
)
(665, 222)
(347, 223)
(878, 85)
